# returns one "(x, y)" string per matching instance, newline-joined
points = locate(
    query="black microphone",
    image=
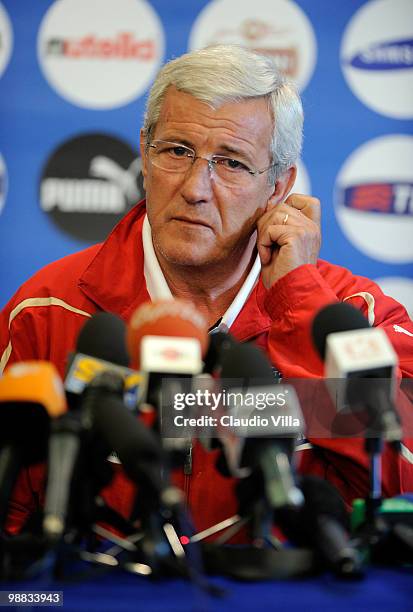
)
(100, 345)
(365, 361)
(246, 367)
(323, 524)
(137, 446)
(103, 337)
(158, 504)
(64, 448)
(72, 470)
(335, 318)
(219, 344)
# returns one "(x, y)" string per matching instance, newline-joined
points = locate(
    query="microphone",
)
(167, 340)
(100, 346)
(163, 321)
(219, 344)
(267, 459)
(103, 337)
(31, 393)
(322, 523)
(365, 360)
(136, 445)
(64, 448)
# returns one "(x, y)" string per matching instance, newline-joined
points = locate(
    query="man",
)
(221, 138)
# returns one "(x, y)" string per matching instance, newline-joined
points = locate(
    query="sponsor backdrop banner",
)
(74, 75)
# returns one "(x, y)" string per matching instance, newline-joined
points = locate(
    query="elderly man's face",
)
(196, 219)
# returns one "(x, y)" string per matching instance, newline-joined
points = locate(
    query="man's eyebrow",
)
(178, 140)
(228, 149)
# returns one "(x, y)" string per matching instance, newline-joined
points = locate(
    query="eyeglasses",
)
(175, 157)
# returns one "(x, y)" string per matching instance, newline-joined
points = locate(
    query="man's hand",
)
(288, 236)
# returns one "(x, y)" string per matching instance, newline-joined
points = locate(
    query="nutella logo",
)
(124, 46)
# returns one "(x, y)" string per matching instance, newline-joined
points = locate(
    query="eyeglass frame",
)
(210, 161)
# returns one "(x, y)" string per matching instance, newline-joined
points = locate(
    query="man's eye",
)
(178, 151)
(232, 164)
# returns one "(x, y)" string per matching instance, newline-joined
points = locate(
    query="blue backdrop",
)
(73, 81)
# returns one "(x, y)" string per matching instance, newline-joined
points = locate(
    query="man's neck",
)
(205, 287)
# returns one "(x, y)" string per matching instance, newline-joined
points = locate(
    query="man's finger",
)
(308, 205)
(270, 238)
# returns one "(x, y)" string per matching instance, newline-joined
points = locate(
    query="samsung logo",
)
(390, 198)
(396, 55)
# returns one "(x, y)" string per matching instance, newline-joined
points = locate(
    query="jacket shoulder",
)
(343, 280)
(43, 318)
(60, 276)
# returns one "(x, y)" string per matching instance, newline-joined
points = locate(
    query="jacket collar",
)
(114, 280)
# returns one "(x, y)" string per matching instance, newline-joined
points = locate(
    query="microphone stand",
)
(374, 533)
(374, 448)
(383, 425)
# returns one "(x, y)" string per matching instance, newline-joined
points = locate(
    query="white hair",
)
(229, 73)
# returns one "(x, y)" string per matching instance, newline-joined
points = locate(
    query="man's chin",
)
(184, 255)
(187, 259)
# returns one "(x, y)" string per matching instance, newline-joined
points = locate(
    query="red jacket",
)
(44, 317)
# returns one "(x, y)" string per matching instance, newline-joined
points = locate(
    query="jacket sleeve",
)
(19, 336)
(40, 323)
(292, 303)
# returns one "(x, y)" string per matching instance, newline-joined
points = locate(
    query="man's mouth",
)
(191, 221)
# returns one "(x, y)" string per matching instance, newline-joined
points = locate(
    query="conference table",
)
(380, 589)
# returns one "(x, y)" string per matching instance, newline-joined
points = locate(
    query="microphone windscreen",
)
(31, 393)
(103, 337)
(172, 318)
(337, 317)
(33, 382)
(247, 362)
(136, 445)
(219, 342)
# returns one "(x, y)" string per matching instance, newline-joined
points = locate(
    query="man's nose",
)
(197, 186)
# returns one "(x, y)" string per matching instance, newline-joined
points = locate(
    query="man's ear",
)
(143, 156)
(283, 186)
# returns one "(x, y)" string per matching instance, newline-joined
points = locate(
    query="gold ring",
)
(285, 219)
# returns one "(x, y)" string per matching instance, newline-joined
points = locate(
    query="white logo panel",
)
(377, 56)
(277, 27)
(3, 183)
(374, 198)
(6, 39)
(98, 56)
